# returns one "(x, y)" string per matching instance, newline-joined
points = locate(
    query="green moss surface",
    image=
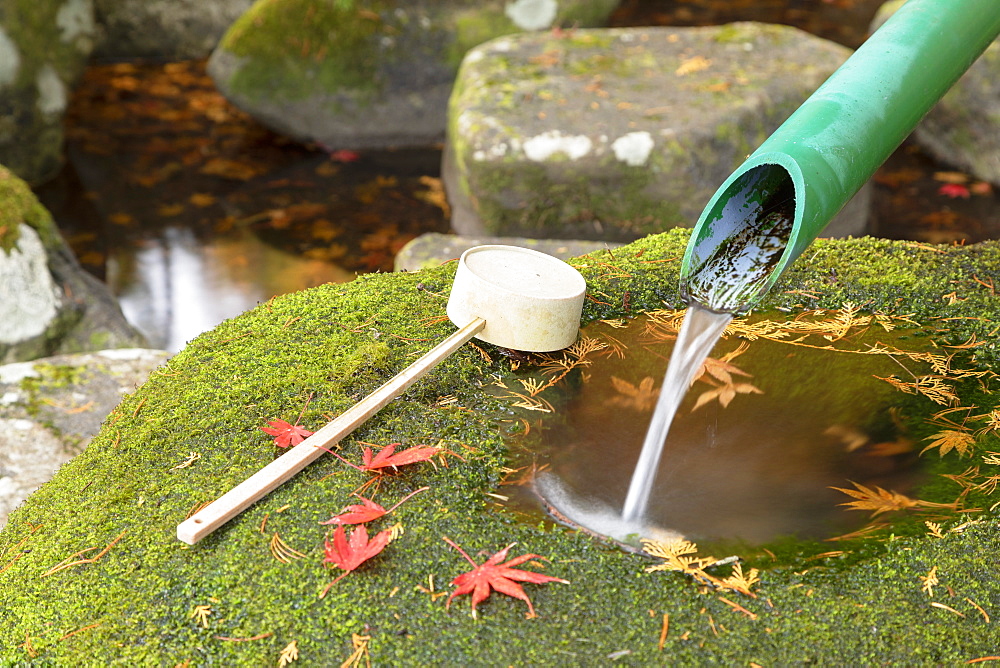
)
(19, 205)
(136, 604)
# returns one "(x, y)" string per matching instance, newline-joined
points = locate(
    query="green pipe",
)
(772, 207)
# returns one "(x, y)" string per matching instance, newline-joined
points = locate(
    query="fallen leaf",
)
(954, 190)
(289, 654)
(499, 577)
(951, 177)
(692, 65)
(386, 457)
(951, 439)
(367, 510)
(876, 499)
(286, 434)
(349, 553)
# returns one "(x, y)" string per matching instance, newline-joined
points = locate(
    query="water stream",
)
(699, 334)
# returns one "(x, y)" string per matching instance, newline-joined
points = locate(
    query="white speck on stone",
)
(20, 425)
(51, 91)
(9, 398)
(544, 146)
(16, 372)
(75, 19)
(634, 148)
(501, 45)
(532, 14)
(125, 353)
(627, 37)
(30, 297)
(473, 56)
(10, 59)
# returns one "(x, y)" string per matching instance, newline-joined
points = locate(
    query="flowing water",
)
(761, 441)
(699, 334)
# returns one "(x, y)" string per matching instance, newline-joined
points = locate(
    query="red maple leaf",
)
(349, 553)
(954, 190)
(367, 510)
(285, 434)
(385, 457)
(500, 577)
(344, 155)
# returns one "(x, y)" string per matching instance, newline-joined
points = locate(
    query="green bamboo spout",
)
(773, 206)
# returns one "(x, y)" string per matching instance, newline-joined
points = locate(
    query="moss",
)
(336, 48)
(134, 604)
(19, 205)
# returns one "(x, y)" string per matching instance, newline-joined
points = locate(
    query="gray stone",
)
(50, 304)
(963, 129)
(51, 408)
(432, 249)
(44, 47)
(171, 29)
(615, 134)
(368, 74)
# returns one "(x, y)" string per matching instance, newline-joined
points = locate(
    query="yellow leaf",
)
(951, 439)
(876, 499)
(289, 654)
(692, 65)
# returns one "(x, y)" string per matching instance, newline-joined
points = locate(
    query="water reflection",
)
(176, 286)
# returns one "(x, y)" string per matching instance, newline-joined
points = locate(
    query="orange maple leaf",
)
(500, 577)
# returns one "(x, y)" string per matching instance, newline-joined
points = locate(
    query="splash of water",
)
(699, 333)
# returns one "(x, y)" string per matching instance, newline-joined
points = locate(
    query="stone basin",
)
(91, 573)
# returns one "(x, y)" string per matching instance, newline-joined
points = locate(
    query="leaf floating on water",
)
(725, 394)
(876, 499)
(640, 398)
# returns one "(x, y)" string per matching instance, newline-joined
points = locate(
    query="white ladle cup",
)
(512, 297)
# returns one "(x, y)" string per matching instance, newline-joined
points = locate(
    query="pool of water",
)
(168, 190)
(759, 447)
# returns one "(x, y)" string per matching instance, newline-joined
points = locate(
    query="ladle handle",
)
(236, 500)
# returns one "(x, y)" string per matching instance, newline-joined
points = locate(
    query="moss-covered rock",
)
(613, 134)
(50, 305)
(91, 573)
(368, 73)
(43, 48)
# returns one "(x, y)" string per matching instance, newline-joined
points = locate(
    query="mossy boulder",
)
(43, 49)
(50, 304)
(616, 133)
(91, 572)
(368, 73)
